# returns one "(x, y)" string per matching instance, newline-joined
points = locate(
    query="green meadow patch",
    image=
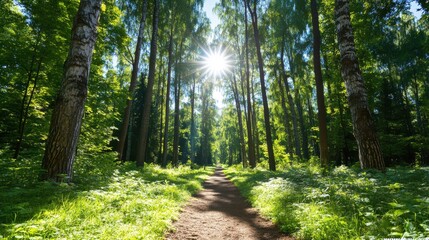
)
(344, 203)
(106, 202)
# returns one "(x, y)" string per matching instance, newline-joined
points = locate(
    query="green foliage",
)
(342, 204)
(36, 36)
(106, 202)
(22, 172)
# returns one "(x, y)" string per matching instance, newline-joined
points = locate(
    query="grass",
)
(106, 201)
(344, 203)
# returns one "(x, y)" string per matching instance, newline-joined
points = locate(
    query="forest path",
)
(220, 212)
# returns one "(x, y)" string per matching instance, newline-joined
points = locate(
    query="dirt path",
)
(220, 212)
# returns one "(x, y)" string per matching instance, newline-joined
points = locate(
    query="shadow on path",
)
(220, 212)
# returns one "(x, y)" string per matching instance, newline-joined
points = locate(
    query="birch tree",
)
(370, 155)
(67, 116)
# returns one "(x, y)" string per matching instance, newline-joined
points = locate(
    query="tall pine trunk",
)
(167, 99)
(159, 106)
(250, 143)
(176, 129)
(271, 160)
(370, 155)
(321, 109)
(133, 83)
(144, 126)
(67, 116)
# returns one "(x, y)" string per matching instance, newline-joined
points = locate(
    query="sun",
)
(216, 62)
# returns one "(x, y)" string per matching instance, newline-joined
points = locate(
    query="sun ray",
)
(216, 62)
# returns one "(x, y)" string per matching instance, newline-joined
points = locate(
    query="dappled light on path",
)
(220, 212)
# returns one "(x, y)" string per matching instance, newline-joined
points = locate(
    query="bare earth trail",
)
(220, 212)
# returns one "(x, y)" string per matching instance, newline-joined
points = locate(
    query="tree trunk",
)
(299, 110)
(370, 155)
(193, 130)
(291, 105)
(176, 124)
(313, 143)
(159, 106)
(144, 126)
(243, 95)
(240, 121)
(346, 152)
(286, 123)
(25, 108)
(255, 126)
(271, 160)
(133, 83)
(167, 99)
(321, 109)
(335, 99)
(204, 125)
(177, 112)
(161, 123)
(302, 126)
(250, 143)
(67, 116)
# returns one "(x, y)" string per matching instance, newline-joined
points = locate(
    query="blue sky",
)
(414, 7)
(208, 7)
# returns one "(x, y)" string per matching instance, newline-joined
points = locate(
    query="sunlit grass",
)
(342, 204)
(106, 203)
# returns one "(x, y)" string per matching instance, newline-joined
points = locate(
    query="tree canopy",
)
(150, 97)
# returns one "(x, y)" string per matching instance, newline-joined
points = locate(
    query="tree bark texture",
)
(133, 83)
(144, 126)
(370, 155)
(321, 113)
(271, 160)
(67, 115)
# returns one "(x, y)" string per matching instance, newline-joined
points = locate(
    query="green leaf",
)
(396, 205)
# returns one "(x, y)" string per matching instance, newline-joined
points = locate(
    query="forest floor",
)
(220, 212)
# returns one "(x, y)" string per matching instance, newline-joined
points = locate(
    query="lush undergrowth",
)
(342, 204)
(106, 201)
